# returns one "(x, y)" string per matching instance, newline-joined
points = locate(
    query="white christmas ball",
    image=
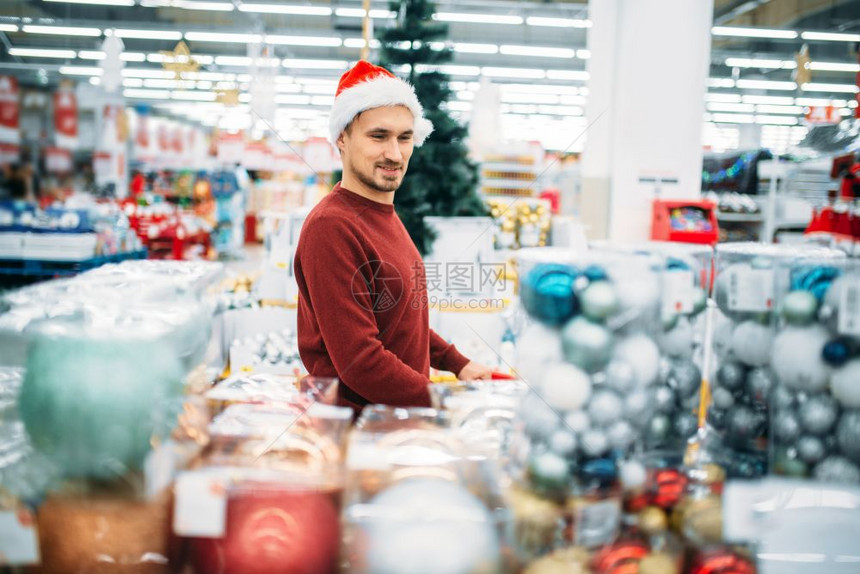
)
(678, 341)
(635, 291)
(722, 338)
(796, 358)
(752, 342)
(594, 442)
(621, 435)
(845, 384)
(413, 513)
(605, 407)
(632, 474)
(565, 387)
(643, 356)
(577, 421)
(638, 406)
(620, 376)
(537, 346)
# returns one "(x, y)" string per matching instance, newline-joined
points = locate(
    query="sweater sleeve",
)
(329, 259)
(445, 356)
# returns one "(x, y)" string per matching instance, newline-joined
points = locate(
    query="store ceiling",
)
(535, 49)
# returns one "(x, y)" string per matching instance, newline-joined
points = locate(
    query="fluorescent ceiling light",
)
(761, 63)
(537, 51)
(733, 118)
(572, 100)
(728, 98)
(558, 22)
(91, 55)
(769, 100)
(776, 120)
(319, 89)
(192, 96)
(62, 30)
(293, 99)
(322, 100)
(477, 18)
(453, 70)
(359, 43)
(233, 60)
(765, 85)
(8, 28)
(95, 81)
(841, 88)
(359, 13)
(324, 41)
(792, 110)
(147, 94)
(466, 48)
(222, 37)
(132, 83)
(148, 34)
(583, 54)
(729, 107)
(41, 53)
(146, 73)
(97, 2)
(208, 6)
(162, 83)
(554, 89)
(567, 75)
(820, 102)
(132, 57)
(286, 9)
(830, 36)
(80, 71)
(514, 98)
(721, 83)
(459, 106)
(530, 73)
(465, 95)
(159, 58)
(753, 32)
(314, 64)
(834, 67)
(560, 110)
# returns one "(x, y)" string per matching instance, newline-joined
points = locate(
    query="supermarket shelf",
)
(740, 217)
(51, 268)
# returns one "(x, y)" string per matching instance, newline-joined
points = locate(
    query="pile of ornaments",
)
(749, 360)
(592, 363)
(816, 358)
(276, 352)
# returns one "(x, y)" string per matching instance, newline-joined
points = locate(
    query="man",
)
(362, 313)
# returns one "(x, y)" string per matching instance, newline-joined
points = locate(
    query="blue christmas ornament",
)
(675, 264)
(595, 273)
(600, 469)
(815, 279)
(548, 293)
(837, 352)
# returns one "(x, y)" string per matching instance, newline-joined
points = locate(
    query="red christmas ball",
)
(622, 557)
(670, 486)
(722, 562)
(274, 531)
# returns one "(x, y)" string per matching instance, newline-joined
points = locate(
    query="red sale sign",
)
(9, 110)
(66, 119)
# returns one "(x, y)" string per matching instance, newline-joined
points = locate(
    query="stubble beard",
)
(388, 184)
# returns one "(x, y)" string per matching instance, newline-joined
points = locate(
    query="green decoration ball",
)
(92, 405)
(586, 344)
(799, 307)
(599, 301)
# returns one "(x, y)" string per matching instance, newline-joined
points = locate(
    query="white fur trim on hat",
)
(376, 93)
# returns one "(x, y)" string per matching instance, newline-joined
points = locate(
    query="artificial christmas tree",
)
(441, 180)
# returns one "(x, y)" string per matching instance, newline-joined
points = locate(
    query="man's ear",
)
(340, 143)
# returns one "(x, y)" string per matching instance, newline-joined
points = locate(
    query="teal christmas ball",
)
(547, 293)
(837, 352)
(599, 301)
(799, 308)
(91, 405)
(586, 344)
(549, 472)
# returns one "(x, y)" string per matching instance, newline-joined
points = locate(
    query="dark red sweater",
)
(362, 313)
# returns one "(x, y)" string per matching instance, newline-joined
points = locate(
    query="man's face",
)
(377, 146)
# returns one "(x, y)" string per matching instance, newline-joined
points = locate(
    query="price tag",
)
(678, 287)
(849, 309)
(19, 541)
(201, 504)
(597, 524)
(159, 468)
(750, 290)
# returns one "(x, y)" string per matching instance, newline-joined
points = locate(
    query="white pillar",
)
(648, 71)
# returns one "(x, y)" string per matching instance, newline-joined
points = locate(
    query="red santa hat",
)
(365, 87)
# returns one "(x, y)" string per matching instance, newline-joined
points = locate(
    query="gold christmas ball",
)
(703, 521)
(537, 519)
(658, 563)
(652, 520)
(714, 473)
(563, 561)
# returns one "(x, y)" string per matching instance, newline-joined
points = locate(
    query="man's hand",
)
(474, 371)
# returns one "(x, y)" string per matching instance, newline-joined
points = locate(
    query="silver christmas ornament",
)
(782, 397)
(677, 341)
(845, 384)
(786, 427)
(685, 425)
(742, 423)
(664, 400)
(620, 376)
(577, 421)
(563, 442)
(837, 469)
(848, 435)
(621, 435)
(659, 428)
(594, 442)
(759, 383)
(599, 301)
(605, 407)
(642, 354)
(685, 378)
(722, 398)
(637, 407)
(810, 449)
(818, 414)
(586, 344)
(731, 376)
(539, 418)
(722, 338)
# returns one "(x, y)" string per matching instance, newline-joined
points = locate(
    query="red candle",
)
(269, 531)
